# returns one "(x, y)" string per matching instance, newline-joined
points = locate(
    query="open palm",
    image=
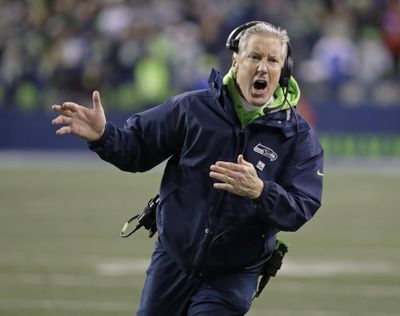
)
(81, 121)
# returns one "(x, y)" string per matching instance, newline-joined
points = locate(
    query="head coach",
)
(242, 166)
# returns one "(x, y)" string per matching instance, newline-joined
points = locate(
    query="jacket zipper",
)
(201, 258)
(242, 140)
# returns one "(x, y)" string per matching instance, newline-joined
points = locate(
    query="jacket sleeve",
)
(293, 199)
(147, 139)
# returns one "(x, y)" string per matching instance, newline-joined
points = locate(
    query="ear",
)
(234, 62)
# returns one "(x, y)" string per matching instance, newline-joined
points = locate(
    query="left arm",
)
(290, 202)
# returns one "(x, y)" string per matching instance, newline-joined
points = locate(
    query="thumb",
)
(96, 100)
(241, 161)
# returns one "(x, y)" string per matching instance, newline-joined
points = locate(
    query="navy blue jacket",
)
(201, 227)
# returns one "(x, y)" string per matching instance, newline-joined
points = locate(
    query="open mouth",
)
(260, 84)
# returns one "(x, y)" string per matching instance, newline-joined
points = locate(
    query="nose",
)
(262, 66)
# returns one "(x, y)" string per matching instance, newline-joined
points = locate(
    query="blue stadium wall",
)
(363, 130)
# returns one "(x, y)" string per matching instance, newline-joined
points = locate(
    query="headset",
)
(232, 43)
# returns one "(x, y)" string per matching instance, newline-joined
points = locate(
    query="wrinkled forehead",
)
(264, 44)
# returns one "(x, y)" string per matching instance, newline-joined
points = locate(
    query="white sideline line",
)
(312, 269)
(334, 268)
(123, 267)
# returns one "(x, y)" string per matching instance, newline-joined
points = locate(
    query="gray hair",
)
(268, 29)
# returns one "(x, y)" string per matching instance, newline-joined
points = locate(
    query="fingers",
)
(66, 113)
(229, 165)
(223, 174)
(224, 171)
(226, 182)
(224, 186)
(64, 130)
(66, 107)
(239, 178)
(74, 107)
(225, 167)
(223, 177)
(228, 178)
(56, 108)
(61, 119)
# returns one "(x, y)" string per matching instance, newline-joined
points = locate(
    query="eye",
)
(254, 57)
(274, 62)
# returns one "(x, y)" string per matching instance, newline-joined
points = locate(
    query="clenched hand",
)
(78, 120)
(239, 178)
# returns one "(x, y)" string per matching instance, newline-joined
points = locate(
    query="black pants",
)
(170, 291)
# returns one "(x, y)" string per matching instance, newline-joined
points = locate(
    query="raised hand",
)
(239, 178)
(78, 120)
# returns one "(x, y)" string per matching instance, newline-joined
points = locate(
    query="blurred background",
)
(138, 53)
(61, 208)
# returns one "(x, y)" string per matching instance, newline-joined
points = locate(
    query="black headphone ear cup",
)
(286, 71)
(235, 45)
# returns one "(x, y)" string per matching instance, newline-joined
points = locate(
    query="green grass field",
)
(61, 254)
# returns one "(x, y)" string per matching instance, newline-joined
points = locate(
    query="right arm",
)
(147, 138)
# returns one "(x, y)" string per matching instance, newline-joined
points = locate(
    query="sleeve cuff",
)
(101, 142)
(263, 202)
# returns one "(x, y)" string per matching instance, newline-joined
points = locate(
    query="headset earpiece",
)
(232, 43)
(286, 71)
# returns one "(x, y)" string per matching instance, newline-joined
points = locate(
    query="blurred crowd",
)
(139, 52)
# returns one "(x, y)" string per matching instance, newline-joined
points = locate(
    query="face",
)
(258, 68)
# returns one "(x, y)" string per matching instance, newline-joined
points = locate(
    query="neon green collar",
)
(245, 118)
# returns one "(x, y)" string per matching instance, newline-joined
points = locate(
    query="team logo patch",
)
(266, 152)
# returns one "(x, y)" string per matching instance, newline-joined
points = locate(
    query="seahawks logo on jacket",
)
(266, 151)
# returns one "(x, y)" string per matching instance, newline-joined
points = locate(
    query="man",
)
(242, 166)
